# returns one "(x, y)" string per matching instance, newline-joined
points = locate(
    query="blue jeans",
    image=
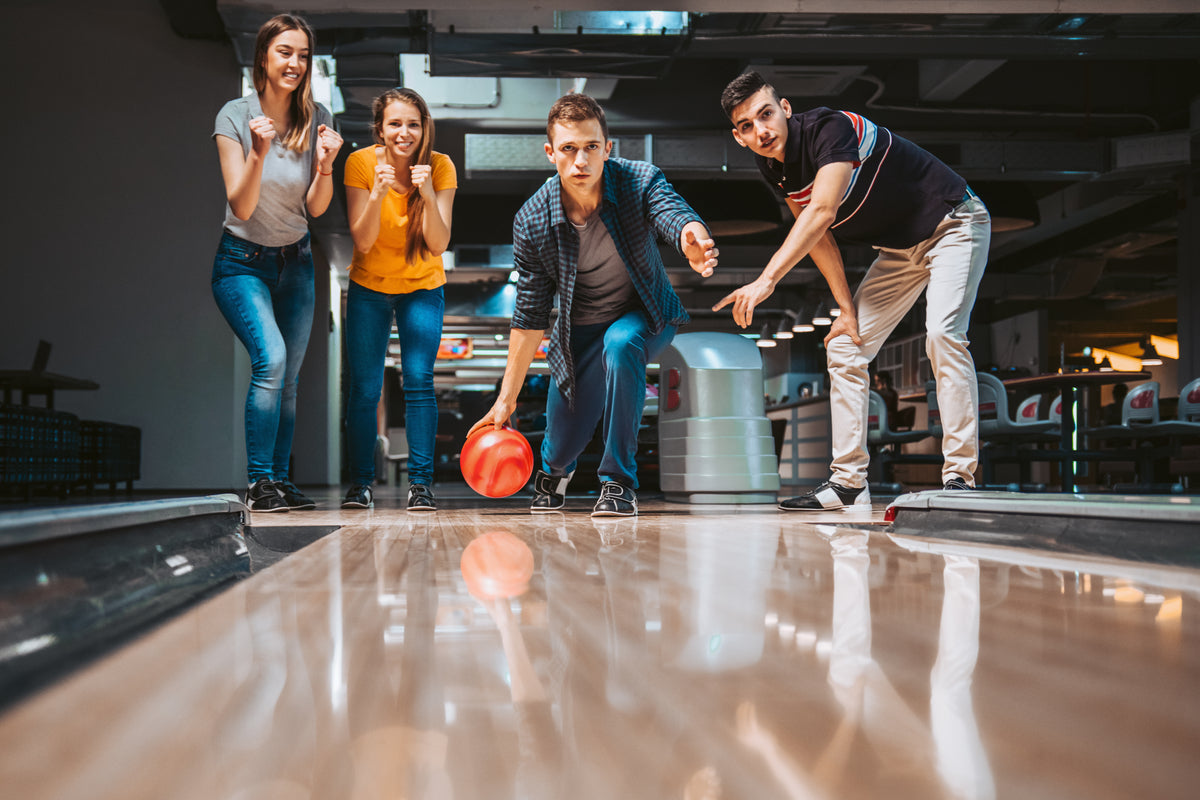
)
(418, 318)
(266, 295)
(610, 387)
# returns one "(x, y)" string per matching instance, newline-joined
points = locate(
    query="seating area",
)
(42, 449)
(1155, 450)
(1002, 435)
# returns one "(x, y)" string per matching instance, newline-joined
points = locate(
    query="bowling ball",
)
(496, 463)
(497, 564)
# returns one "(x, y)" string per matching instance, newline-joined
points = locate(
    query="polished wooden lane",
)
(694, 652)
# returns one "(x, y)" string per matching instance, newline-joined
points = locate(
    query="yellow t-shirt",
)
(384, 268)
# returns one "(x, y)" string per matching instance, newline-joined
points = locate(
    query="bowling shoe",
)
(420, 498)
(549, 492)
(829, 496)
(956, 484)
(265, 495)
(616, 501)
(359, 496)
(295, 499)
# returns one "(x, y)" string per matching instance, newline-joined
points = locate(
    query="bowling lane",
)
(694, 652)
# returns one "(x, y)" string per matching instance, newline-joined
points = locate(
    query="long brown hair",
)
(415, 246)
(302, 105)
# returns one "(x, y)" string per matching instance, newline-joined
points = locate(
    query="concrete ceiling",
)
(1079, 113)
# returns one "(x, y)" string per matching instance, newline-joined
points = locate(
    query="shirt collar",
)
(794, 144)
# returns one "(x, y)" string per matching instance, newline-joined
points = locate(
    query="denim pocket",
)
(237, 257)
(239, 251)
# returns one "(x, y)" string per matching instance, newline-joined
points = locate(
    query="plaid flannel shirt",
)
(637, 203)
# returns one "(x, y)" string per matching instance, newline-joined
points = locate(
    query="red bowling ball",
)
(496, 463)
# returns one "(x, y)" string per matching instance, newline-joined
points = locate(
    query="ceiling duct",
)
(809, 80)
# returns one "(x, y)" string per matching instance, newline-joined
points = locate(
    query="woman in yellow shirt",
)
(399, 194)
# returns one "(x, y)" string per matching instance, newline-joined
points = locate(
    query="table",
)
(1070, 384)
(31, 382)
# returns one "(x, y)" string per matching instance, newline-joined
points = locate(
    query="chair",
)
(935, 415)
(1154, 441)
(1027, 411)
(1189, 402)
(1139, 415)
(1000, 435)
(1056, 410)
(883, 442)
(995, 422)
(1141, 405)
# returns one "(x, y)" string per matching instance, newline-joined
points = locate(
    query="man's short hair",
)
(575, 107)
(742, 88)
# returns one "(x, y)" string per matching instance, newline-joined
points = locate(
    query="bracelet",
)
(324, 173)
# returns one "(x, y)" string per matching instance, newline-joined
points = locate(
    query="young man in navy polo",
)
(846, 178)
(588, 238)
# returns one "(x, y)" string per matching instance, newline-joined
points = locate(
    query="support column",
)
(1189, 259)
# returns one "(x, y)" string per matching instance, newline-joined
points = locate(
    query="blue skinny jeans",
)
(266, 295)
(369, 317)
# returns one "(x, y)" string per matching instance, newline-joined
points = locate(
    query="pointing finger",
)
(380, 156)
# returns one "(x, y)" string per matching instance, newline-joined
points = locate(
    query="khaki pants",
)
(950, 263)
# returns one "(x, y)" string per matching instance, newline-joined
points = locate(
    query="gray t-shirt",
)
(280, 218)
(603, 288)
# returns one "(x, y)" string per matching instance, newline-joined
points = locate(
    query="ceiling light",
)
(764, 339)
(1114, 360)
(1150, 357)
(785, 328)
(1166, 346)
(802, 323)
(821, 316)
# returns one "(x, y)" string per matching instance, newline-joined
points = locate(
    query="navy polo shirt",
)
(898, 192)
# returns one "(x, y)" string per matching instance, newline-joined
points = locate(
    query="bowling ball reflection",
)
(497, 565)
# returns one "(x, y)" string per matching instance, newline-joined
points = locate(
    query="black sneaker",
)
(957, 485)
(264, 495)
(549, 492)
(615, 501)
(296, 499)
(420, 498)
(359, 496)
(829, 496)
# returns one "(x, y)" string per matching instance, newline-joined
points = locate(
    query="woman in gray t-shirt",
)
(277, 149)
